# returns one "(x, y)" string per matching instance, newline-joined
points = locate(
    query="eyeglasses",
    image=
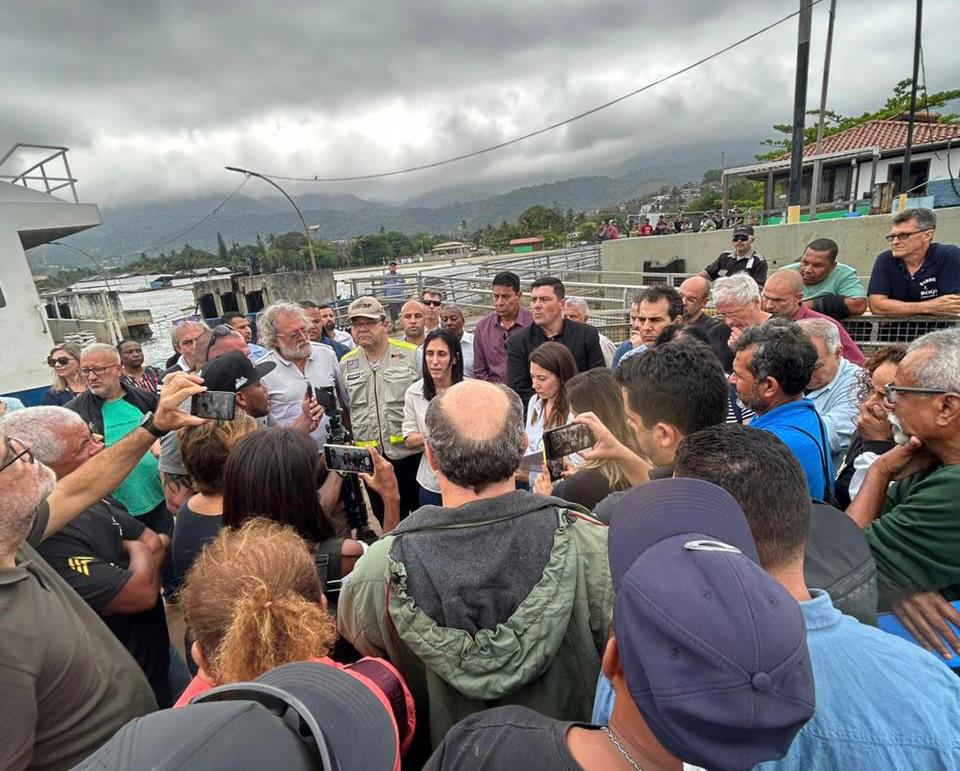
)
(432, 303)
(904, 236)
(98, 371)
(60, 361)
(892, 393)
(14, 453)
(741, 238)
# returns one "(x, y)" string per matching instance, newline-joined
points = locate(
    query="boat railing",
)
(49, 174)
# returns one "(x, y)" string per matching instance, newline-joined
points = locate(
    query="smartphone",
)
(343, 457)
(216, 405)
(567, 440)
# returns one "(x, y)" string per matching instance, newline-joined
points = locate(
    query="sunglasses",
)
(903, 236)
(15, 454)
(221, 330)
(433, 303)
(60, 361)
(741, 238)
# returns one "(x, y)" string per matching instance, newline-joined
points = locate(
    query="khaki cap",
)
(366, 308)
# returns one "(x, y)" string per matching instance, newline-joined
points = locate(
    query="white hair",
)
(942, 369)
(573, 301)
(45, 429)
(183, 325)
(267, 321)
(106, 350)
(740, 287)
(823, 330)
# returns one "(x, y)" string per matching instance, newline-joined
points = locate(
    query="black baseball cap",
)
(298, 717)
(743, 230)
(233, 371)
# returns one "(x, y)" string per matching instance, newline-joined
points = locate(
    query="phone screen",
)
(342, 457)
(216, 405)
(567, 440)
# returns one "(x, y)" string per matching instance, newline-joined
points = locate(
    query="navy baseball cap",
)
(233, 371)
(713, 649)
(301, 716)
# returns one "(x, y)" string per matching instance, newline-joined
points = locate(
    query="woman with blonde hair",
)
(594, 391)
(253, 602)
(64, 361)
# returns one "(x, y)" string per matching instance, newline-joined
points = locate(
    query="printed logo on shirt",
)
(353, 363)
(80, 564)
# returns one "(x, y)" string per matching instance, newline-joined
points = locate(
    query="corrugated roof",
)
(885, 134)
(522, 241)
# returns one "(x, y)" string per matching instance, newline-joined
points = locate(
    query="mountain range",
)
(153, 227)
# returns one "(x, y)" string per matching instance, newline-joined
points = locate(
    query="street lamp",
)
(306, 229)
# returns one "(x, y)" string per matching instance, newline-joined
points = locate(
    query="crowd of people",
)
(751, 563)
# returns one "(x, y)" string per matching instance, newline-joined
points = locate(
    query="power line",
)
(552, 126)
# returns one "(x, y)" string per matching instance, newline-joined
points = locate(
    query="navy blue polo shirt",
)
(939, 275)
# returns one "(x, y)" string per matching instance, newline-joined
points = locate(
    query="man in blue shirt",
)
(915, 275)
(772, 366)
(882, 702)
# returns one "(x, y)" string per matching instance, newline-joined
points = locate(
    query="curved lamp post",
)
(306, 230)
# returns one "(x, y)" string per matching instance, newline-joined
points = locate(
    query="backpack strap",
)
(326, 558)
(822, 449)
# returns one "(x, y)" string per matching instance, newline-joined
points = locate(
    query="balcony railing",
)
(49, 174)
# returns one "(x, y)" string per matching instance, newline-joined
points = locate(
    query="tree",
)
(539, 221)
(833, 123)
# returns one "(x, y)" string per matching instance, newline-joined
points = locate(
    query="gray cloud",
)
(155, 98)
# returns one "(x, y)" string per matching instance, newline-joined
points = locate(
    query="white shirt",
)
(344, 338)
(286, 385)
(415, 422)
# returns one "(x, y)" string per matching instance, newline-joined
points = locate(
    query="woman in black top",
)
(204, 450)
(595, 391)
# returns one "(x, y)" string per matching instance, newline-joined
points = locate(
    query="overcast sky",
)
(154, 99)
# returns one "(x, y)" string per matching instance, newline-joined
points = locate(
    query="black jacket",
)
(582, 340)
(89, 406)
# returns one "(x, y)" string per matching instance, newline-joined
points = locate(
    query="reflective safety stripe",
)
(371, 443)
(396, 440)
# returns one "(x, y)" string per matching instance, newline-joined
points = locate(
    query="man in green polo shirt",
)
(912, 525)
(113, 409)
(829, 287)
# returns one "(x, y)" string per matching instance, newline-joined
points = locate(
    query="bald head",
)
(412, 321)
(695, 293)
(476, 433)
(782, 293)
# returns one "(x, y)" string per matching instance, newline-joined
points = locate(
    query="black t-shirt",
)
(939, 275)
(754, 264)
(587, 487)
(88, 554)
(506, 738)
(192, 533)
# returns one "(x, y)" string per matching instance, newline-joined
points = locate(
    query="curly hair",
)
(893, 354)
(252, 601)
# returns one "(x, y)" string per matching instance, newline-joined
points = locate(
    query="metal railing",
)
(38, 173)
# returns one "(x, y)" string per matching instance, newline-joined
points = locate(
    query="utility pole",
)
(817, 164)
(905, 171)
(306, 229)
(799, 110)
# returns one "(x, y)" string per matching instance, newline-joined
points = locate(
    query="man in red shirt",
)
(782, 295)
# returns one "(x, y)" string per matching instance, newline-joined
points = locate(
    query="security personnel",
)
(376, 375)
(743, 258)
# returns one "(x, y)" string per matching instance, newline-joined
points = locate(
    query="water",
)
(166, 305)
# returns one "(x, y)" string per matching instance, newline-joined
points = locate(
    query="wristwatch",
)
(147, 423)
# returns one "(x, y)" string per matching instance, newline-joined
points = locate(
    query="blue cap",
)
(713, 649)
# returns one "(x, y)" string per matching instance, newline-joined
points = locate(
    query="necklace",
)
(620, 748)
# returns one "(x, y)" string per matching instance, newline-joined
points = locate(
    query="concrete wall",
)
(860, 240)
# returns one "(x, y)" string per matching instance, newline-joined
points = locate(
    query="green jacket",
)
(543, 654)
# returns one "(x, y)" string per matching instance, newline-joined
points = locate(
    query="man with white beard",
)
(907, 504)
(300, 364)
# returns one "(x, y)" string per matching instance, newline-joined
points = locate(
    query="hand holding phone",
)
(567, 440)
(353, 460)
